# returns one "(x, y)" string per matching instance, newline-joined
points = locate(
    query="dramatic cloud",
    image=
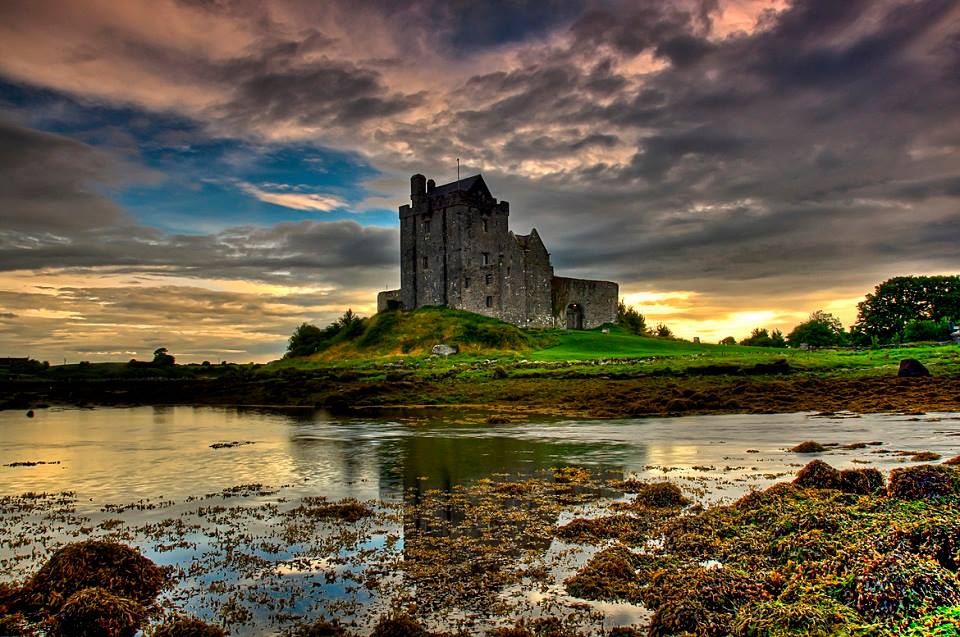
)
(747, 161)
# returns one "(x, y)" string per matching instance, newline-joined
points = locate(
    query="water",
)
(149, 476)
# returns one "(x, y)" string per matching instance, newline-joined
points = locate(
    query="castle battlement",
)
(457, 250)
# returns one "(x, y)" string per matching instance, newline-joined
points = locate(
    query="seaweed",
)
(96, 612)
(187, 627)
(608, 575)
(817, 474)
(922, 482)
(814, 614)
(808, 446)
(861, 481)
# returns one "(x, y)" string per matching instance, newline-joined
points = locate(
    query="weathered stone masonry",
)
(457, 250)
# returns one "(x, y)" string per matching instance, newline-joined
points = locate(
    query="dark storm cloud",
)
(47, 182)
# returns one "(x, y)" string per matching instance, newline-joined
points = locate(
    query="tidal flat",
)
(271, 520)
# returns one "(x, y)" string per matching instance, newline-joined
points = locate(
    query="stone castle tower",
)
(457, 250)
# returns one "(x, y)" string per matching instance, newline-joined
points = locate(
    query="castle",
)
(457, 250)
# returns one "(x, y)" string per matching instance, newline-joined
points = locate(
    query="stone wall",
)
(596, 301)
(389, 300)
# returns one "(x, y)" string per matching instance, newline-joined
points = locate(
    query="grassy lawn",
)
(618, 343)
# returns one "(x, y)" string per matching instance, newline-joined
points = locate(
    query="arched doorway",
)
(574, 316)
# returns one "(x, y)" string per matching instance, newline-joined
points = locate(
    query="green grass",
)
(618, 343)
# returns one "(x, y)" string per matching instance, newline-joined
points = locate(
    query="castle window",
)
(508, 270)
(426, 224)
(466, 282)
(483, 222)
(489, 301)
(488, 279)
(426, 263)
(485, 256)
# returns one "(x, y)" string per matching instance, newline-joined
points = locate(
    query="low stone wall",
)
(387, 299)
(597, 301)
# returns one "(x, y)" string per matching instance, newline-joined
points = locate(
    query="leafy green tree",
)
(822, 329)
(760, 337)
(729, 340)
(306, 340)
(926, 330)
(897, 301)
(162, 358)
(630, 319)
(663, 331)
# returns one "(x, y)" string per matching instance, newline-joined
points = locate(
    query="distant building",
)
(457, 250)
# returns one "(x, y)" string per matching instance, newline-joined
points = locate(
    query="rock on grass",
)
(96, 612)
(922, 482)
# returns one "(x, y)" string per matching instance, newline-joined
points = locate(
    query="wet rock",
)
(442, 349)
(30, 414)
(912, 368)
(818, 475)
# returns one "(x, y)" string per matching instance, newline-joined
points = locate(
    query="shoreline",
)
(497, 398)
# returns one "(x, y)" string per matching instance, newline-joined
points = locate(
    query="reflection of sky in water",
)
(120, 456)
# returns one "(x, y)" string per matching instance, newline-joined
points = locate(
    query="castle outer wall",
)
(456, 250)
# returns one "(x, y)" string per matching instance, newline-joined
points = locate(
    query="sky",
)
(205, 175)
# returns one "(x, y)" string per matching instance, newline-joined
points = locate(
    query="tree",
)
(162, 358)
(822, 329)
(306, 340)
(663, 331)
(895, 302)
(760, 337)
(924, 330)
(630, 319)
(729, 340)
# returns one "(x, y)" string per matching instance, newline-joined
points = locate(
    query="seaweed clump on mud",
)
(660, 495)
(96, 612)
(105, 586)
(808, 446)
(833, 553)
(348, 509)
(923, 482)
(193, 627)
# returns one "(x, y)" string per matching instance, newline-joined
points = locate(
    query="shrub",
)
(818, 475)
(922, 482)
(96, 612)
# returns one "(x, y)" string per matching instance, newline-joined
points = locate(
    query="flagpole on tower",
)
(458, 173)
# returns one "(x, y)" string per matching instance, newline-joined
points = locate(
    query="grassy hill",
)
(414, 333)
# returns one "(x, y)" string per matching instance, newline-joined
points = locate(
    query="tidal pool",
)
(234, 519)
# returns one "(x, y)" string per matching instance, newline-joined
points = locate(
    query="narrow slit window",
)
(466, 282)
(488, 279)
(485, 258)
(489, 301)
(426, 263)
(483, 223)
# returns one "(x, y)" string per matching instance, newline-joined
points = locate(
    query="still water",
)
(154, 478)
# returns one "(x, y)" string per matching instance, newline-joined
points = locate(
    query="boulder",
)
(912, 368)
(442, 349)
